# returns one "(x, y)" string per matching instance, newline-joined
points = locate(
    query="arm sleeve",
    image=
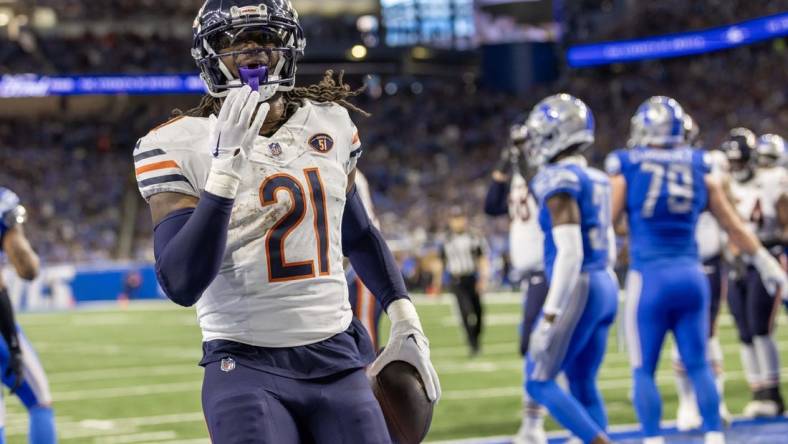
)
(566, 268)
(189, 247)
(7, 321)
(495, 204)
(374, 263)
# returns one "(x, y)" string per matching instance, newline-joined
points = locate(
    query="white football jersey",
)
(362, 186)
(711, 238)
(771, 184)
(745, 197)
(282, 282)
(526, 240)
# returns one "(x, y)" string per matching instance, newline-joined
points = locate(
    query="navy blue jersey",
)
(666, 193)
(590, 188)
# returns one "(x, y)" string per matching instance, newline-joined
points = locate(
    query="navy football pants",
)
(535, 295)
(247, 406)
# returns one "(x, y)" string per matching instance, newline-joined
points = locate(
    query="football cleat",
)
(688, 418)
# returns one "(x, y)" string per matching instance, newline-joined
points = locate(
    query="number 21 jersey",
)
(281, 283)
(666, 192)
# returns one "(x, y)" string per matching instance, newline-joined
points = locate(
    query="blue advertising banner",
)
(676, 45)
(33, 85)
(61, 287)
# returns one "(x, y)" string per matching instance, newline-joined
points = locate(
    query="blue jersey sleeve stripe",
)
(165, 179)
(148, 154)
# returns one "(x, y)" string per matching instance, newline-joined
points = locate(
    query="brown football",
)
(403, 399)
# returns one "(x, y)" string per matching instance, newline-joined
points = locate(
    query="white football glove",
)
(772, 273)
(407, 343)
(540, 339)
(232, 137)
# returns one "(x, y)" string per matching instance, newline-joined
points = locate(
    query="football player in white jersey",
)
(756, 196)
(711, 241)
(254, 210)
(509, 194)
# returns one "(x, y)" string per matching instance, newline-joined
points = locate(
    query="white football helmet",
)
(559, 123)
(770, 150)
(659, 121)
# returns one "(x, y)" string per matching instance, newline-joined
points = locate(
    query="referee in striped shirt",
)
(464, 257)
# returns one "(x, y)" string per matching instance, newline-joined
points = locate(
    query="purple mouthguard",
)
(254, 76)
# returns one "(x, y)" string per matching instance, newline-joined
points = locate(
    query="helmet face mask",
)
(230, 35)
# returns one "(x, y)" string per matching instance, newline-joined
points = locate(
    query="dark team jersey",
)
(666, 193)
(590, 188)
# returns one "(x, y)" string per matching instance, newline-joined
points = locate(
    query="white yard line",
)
(116, 392)
(137, 438)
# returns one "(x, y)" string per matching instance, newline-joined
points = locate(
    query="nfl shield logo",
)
(227, 365)
(321, 142)
(276, 149)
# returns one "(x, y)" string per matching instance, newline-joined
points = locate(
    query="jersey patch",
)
(321, 142)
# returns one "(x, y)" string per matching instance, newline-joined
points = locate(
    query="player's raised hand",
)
(772, 274)
(232, 137)
(407, 343)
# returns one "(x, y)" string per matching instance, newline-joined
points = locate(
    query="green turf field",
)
(131, 376)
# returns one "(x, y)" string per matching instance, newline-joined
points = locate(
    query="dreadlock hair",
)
(330, 89)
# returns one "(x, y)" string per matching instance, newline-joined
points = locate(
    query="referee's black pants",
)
(469, 301)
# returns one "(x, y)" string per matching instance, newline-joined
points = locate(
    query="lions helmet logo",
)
(321, 142)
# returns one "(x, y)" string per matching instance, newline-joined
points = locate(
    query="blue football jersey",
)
(590, 188)
(9, 205)
(666, 193)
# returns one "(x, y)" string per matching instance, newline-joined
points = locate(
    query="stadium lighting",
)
(358, 52)
(5, 17)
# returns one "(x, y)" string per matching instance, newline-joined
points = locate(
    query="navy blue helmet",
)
(269, 66)
(738, 148)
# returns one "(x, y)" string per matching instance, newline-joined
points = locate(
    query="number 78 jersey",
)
(666, 192)
(281, 283)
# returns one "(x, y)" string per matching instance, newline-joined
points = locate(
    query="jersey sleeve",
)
(11, 211)
(614, 163)
(554, 181)
(354, 149)
(704, 162)
(164, 167)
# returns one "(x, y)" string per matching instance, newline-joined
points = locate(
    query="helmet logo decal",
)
(321, 142)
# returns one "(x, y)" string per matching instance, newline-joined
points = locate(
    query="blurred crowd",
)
(427, 148)
(591, 21)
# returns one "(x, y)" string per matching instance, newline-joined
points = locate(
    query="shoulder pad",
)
(552, 180)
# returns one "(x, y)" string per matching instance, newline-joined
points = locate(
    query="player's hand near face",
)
(232, 137)
(407, 343)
